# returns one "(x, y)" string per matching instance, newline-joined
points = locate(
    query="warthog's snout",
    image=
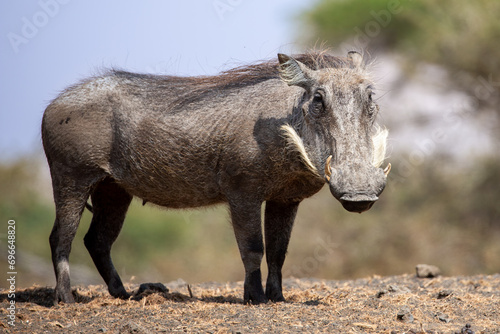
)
(356, 187)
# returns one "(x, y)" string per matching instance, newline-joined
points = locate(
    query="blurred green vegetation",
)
(436, 216)
(460, 35)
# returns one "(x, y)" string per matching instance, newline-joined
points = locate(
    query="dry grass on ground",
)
(398, 304)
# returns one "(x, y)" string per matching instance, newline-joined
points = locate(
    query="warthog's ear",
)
(294, 73)
(356, 58)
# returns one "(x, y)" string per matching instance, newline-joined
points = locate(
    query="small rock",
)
(397, 289)
(427, 271)
(381, 293)
(393, 288)
(467, 329)
(405, 315)
(444, 293)
(443, 317)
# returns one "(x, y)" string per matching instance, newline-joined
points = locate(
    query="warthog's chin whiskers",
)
(379, 146)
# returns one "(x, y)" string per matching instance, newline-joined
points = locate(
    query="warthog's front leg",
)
(248, 231)
(279, 218)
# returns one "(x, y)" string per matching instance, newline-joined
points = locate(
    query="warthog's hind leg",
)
(70, 196)
(110, 203)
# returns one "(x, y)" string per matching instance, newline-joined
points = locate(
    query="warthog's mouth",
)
(357, 202)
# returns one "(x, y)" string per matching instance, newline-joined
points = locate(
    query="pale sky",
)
(46, 45)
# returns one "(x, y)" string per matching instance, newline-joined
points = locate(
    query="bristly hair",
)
(240, 77)
(379, 146)
(294, 142)
(253, 74)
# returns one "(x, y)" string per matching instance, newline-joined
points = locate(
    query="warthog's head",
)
(334, 128)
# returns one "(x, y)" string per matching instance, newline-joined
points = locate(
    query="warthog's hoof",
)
(63, 296)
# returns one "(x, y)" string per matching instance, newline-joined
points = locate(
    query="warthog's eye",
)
(317, 105)
(371, 93)
(318, 98)
(372, 106)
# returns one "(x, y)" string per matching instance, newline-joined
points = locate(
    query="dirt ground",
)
(398, 304)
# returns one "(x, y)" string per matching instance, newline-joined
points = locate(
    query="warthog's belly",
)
(175, 192)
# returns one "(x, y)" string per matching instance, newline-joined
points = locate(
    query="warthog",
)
(273, 132)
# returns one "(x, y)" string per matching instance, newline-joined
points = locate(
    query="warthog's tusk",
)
(387, 169)
(328, 171)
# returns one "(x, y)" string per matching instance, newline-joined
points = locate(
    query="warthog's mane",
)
(198, 88)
